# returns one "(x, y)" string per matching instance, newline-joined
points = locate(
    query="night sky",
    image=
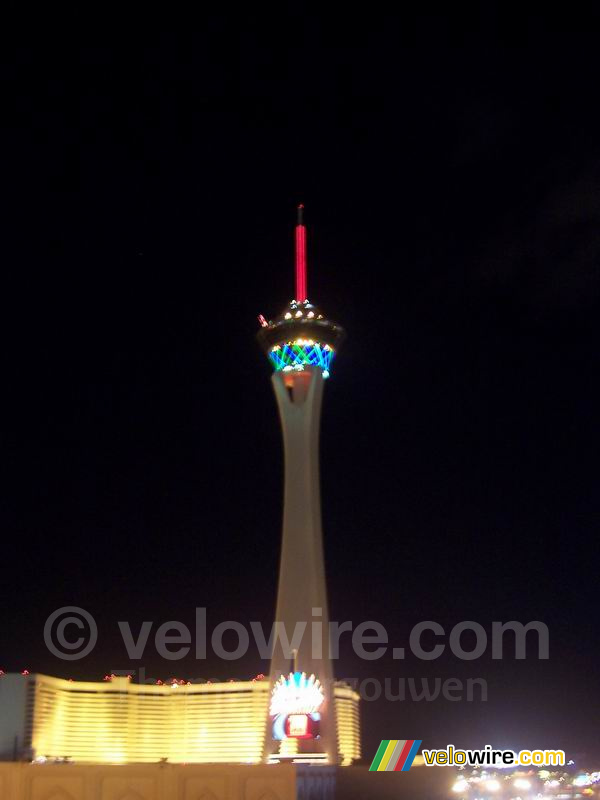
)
(452, 192)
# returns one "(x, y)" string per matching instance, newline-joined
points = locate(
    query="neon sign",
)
(295, 707)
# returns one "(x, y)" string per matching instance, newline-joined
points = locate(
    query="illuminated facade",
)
(301, 344)
(118, 722)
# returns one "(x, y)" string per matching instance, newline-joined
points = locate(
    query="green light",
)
(300, 354)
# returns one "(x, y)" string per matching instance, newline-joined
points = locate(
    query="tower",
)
(301, 344)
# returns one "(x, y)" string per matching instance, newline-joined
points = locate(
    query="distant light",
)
(298, 313)
(325, 373)
(522, 783)
(263, 321)
(311, 314)
(460, 786)
(288, 315)
(492, 785)
(582, 780)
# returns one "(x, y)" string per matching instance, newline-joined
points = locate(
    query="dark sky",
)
(452, 187)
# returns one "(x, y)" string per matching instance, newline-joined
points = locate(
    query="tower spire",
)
(301, 291)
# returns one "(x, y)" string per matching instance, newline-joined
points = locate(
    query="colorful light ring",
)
(302, 353)
(298, 693)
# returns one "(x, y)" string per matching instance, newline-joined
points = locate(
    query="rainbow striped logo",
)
(395, 755)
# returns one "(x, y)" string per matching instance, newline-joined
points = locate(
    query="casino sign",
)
(295, 707)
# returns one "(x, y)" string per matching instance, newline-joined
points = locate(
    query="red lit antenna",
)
(301, 293)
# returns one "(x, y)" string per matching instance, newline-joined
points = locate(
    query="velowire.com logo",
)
(395, 755)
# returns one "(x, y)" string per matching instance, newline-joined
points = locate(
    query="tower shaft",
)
(302, 596)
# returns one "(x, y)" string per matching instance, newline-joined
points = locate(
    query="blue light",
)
(296, 355)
